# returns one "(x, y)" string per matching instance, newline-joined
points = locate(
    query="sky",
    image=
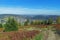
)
(35, 7)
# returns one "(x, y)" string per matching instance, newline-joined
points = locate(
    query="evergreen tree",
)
(58, 20)
(11, 25)
(26, 22)
(45, 22)
(50, 21)
(1, 26)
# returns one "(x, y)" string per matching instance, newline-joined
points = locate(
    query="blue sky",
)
(46, 7)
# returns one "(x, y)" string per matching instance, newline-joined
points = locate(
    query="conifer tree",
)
(11, 25)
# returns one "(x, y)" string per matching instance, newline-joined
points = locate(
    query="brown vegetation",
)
(19, 35)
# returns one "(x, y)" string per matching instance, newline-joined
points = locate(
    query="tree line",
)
(12, 25)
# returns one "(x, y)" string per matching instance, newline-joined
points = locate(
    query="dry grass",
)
(18, 35)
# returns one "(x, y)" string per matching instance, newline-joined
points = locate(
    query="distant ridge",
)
(38, 17)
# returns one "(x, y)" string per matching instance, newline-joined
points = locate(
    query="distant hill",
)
(45, 17)
(38, 17)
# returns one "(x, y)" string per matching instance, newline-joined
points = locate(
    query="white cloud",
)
(7, 10)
